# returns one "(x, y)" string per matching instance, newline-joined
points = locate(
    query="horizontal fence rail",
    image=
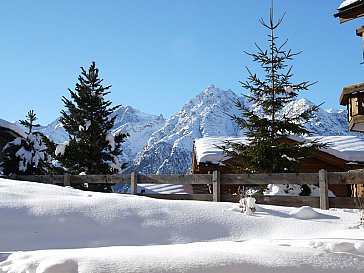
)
(322, 179)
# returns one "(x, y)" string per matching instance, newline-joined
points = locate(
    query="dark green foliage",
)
(27, 155)
(266, 126)
(29, 122)
(91, 148)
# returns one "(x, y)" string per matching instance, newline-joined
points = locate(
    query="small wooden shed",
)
(344, 153)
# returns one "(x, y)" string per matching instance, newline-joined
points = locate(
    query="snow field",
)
(50, 229)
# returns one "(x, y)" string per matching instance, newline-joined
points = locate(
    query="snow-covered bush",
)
(26, 156)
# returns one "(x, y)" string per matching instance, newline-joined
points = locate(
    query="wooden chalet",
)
(344, 153)
(353, 96)
(8, 132)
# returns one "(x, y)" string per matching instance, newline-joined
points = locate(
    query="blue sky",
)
(157, 54)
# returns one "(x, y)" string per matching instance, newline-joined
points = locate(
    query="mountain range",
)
(160, 146)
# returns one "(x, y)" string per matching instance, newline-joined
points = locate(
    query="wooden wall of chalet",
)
(320, 160)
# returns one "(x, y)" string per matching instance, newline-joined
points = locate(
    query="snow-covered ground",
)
(50, 229)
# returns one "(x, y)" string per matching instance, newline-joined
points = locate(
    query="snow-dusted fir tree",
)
(27, 155)
(91, 148)
(265, 126)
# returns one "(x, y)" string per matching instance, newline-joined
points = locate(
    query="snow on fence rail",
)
(322, 179)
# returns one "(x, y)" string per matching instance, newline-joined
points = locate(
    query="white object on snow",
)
(247, 205)
(305, 213)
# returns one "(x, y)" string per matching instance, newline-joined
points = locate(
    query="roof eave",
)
(349, 91)
(350, 12)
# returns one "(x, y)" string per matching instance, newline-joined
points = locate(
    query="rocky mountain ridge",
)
(160, 146)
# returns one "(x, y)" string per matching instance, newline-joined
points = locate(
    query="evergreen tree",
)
(27, 155)
(266, 126)
(91, 148)
(29, 122)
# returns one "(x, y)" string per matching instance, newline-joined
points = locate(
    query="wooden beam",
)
(288, 201)
(178, 179)
(134, 183)
(216, 186)
(324, 189)
(196, 197)
(344, 202)
(359, 31)
(274, 178)
(45, 179)
(101, 179)
(344, 178)
(67, 179)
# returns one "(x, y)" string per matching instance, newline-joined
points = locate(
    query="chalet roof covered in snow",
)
(12, 127)
(348, 3)
(349, 148)
(350, 9)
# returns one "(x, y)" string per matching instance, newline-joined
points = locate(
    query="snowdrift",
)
(50, 229)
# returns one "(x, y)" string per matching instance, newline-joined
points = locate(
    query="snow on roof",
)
(349, 148)
(207, 149)
(12, 126)
(348, 3)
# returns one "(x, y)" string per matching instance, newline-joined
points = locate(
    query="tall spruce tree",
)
(27, 155)
(267, 128)
(91, 148)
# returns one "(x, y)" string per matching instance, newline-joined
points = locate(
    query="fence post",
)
(134, 183)
(216, 186)
(324, 189)
(67, 179)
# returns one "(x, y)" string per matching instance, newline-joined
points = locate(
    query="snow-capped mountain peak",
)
(161, 146)
(137, 124)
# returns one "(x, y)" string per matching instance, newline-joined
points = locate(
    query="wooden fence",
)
(321, 179)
